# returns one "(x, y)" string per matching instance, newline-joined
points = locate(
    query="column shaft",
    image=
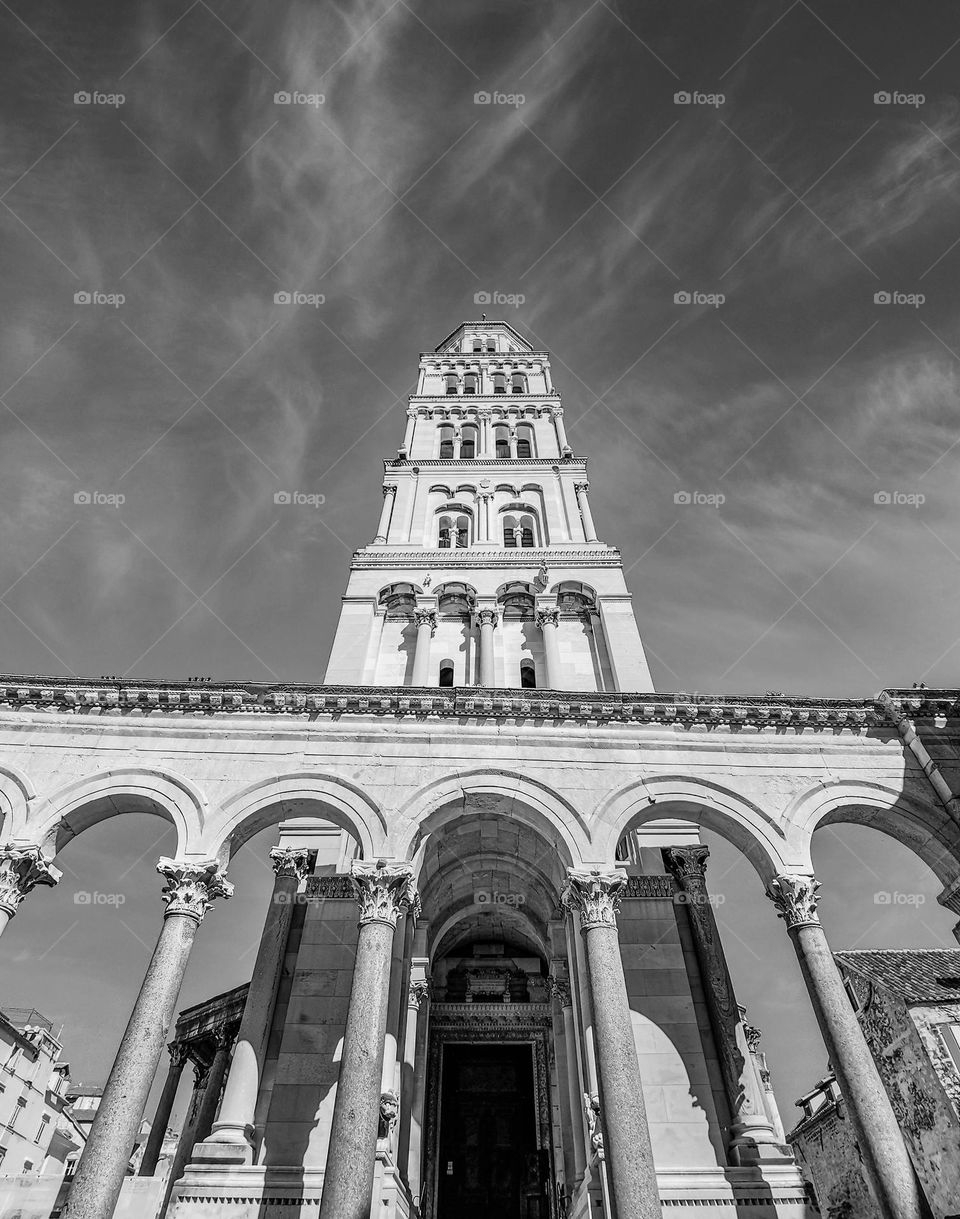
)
(488, 621)
(161, 1119)
(408, 434)
(589, 529)
(575, 1093)
(203, 1113)
(549, 621)
(421, 657)
(383, 528)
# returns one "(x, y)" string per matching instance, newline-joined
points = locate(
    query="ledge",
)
(581, 555)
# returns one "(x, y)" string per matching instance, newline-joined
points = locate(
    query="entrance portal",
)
(489, 1163)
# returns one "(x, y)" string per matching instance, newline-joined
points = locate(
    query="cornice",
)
(476, 463)
(681, 711)
(594, 556)
(922, 704)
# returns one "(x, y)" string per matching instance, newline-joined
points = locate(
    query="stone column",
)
(383, 528)
(583, 503)
(512, 436)
(426, 620)
(231, 1140)
(208, 1090)
(408, 1149)
(750, 1127)
(594, 895)
(886, 1164)
(191, 886)
(457, 441)
(488, 619)
(548, 620)
(483, 417)
(161, 1119)
(560, 985)
(384, 890)
(22, 868)
(408, 434)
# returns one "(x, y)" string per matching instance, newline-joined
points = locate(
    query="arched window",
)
(463, 531)
(453, 527)
(574, 597)
(446, 672)
(444, 539)
(491, 344)
(446, 443)
(456, 599)
(502, 436)
(510, 531)
(518, 383)
(477, 345)
(499, 383)
(526, 531)
(399, 600)
(528, 675)
(450, 380)
(468, 442)
(470, 383)
(525, 441)
(517, 599)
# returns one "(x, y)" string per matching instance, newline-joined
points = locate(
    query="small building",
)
(35, 1134)
(908, 1005)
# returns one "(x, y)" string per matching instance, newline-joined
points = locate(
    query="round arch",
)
(752, 831)
(259, 805)
(441, 935)
(16, 792)
(108, 793)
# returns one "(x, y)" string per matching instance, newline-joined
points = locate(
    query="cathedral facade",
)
(490, 980)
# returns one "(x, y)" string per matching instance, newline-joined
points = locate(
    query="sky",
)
(733, 225)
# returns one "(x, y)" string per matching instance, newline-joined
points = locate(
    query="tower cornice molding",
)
(572, 465)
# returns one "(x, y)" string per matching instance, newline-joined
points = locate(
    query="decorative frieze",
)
(796, 898)
(594, 894)
(383, 890)
(338, 887)
(191, 886)
(22, 868)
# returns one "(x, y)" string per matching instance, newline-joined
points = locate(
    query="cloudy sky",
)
(779, 163)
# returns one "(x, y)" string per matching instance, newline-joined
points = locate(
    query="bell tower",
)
(486, 569)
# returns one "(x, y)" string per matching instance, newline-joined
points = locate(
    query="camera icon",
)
(881, 298)
(82, 497)
(883, 497)
(482, 98)
(482, 897)
(283, 98)
(683, 98)
(481, 298)
(82, 98)
(882, 899)
(282, 298)
(882, 98)
(82, 898)
(681, 298)
(81, 298)
(282, 497)
(681, 497)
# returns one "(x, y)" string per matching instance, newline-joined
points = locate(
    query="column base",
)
(212, 1152)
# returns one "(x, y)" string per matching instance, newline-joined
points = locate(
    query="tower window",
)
(470, 383)
(491, 344)
(524, 441)
(503, 442)
(446, 443)
(528, 675)
(468, 443)
(510, 531)
(446, 672)
(518, 383)
(499, 383)
(451, 382)
(477, 345)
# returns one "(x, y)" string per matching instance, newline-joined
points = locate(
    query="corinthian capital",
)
(688, 865)
(383, 890)
(426, 617)
(21, 869)
(389, 489)
(488, 617)
(290, 861)
(417, 993)
(547, 617)
(594, 894)
(192, 885)
(796, 898)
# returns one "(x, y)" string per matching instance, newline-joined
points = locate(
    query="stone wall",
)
(830, 1158)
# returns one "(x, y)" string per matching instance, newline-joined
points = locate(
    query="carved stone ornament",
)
(383, 890)
(547, 617)
(591, 1109)
(389, 1110)
(488, 617)
(417, 993)
(581, 487)
(559, 986)
(290, 861)
(191, 886)
(426, 617)
(689, 866)
(178, 1053)
(21, 869)
(389, 489)
(796, 899)
(594, 895)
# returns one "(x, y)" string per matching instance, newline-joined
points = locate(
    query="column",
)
(589, 529)
(161, 1119)
(548, 620)
(414, 1062)
(562, 442)
(408, 434)
(22, 868)
(190, 889)
(750, 1124)
(231, 1140)
(384, 890)
(389, 498)
(512, 436)
(488, 620)
(594, 895)
(483, 417)
(457, 441)
(207, 1098)
(886, 1164)
(560, 985)
(426, 620)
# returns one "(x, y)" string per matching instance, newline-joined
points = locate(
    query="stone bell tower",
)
(486, 569)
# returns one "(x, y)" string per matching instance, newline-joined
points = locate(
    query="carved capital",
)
(178, 1053)
(796, 899)
(547, 617)
(426, 617)
(290, 861)
(417, 994)
(22, 868)
(389, 489)
(389, 1111)
(581, 488)
(191, 886)
(383, 890)
(488, 617)
(594, 895)
(688, 865)
(559, 985)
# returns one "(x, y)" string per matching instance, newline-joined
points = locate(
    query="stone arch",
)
(923, 826)
(753, 832)
(533, 803)
(16, 792)
(439, 935)
(93, 798)
(260, 804)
